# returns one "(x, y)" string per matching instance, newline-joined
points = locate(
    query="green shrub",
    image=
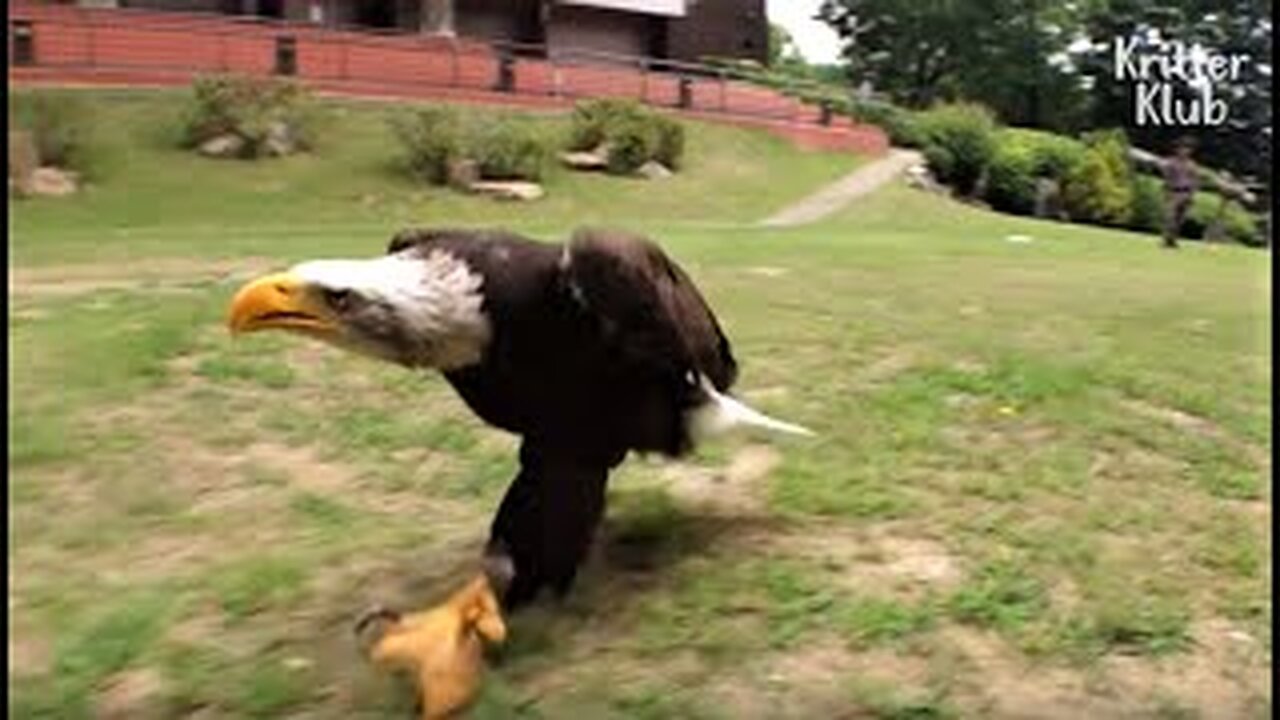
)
(509, 149)
(1207, 209)
(941, 161)
(249, 107)
(592, 120)
(431, 137)
(1011, 179)
(901, 125)
(632, 142)
(1053, 155)
(1021, 158)
(634, 133)
(61, 126)
(503, 148)
(959, 142)
(1148, 205)
(1243, 226)
(1200, 215)
(1100, 189)
(670, 150)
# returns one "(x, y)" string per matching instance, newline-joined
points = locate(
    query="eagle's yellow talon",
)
(443, 647)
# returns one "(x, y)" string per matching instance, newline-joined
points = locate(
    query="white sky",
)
(817, 42)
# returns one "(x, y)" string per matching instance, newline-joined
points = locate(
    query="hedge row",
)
(1087, 180)
(512, 148)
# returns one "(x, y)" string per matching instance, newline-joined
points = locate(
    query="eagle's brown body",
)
(588, 350)
(596, 349)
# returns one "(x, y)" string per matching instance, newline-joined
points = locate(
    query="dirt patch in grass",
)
(304, 468)
(1004, 686)
(980, 439)
(888, 366)
(129, 695)
(772, 393)
(919, 561)
(751, 464)
(767, 271)
(166, 273)
(734, 489)
(819, 679)
(1198, 426)
(196, 629)
(28, 656)
(160, 556)
(871, 559)
(1226, 676)
(1133, 463)
(808, 681)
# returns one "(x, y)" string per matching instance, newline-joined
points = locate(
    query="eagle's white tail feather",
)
(724, 413)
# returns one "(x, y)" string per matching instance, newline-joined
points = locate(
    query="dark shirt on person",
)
(1180, 176)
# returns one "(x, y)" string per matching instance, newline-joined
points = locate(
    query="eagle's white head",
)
(419, 311)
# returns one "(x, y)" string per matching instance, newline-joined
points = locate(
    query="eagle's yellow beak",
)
(280, 301)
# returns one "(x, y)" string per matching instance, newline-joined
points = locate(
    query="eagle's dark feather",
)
(597, 348)
(653, 309)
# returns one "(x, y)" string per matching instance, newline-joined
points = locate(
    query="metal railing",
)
(43, 35)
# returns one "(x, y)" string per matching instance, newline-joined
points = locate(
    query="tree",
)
(999, 52)
(1047, 64)
(1241, 146)
(784, 54)
(910, 49)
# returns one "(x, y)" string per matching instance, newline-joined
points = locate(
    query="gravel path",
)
(845, 190)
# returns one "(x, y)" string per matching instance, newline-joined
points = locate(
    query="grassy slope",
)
(1042, 484)
(183, 204)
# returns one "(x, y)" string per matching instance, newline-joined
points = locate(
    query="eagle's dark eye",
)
(338, 299)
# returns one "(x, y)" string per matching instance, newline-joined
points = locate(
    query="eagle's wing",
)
(648, 305)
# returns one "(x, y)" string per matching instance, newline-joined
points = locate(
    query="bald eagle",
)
(587, 349)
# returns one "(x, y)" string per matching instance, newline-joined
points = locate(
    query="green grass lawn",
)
(1041, 486)
(183, 204)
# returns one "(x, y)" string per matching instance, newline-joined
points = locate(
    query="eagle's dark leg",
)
(548, 518)
(515, 535)
(570, 536)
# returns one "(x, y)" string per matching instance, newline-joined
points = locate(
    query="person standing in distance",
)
(1180, 185)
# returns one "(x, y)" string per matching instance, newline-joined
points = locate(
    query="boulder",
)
(654, 170)
(921, 178)
(52, 181)
(222, 146)
(279, 140)
(509, 189)
(1049, 203)
(463, 173)
(593, 160)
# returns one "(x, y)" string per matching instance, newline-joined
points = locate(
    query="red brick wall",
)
(137, 47)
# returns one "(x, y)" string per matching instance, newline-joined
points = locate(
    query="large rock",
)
(921, 178)
(1049, 201)
(593, 160)
(654, 170)
(223, 146)
(52, 181)
(279, 140)
(463, 173)
(509, 190)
